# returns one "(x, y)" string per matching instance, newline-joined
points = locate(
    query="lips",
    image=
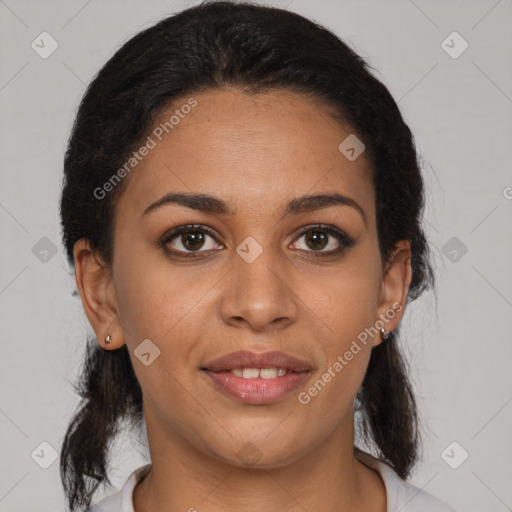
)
(245, 359)
(256, 379)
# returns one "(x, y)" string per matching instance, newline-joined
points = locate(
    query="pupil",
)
(195, 236)
(316, 237)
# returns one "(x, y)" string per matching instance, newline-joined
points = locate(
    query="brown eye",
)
(324, 240)
(316, 240)
(192, 240)
(189, 239)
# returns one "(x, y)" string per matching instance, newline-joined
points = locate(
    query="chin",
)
(257, 452)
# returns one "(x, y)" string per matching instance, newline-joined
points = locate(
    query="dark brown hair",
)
(256, 49)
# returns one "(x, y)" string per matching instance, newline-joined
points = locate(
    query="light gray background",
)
(459, 109)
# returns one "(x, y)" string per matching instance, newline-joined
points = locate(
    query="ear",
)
(96, 287)
(395, 284)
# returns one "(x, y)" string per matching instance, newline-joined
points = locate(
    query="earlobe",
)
(94, 282)
(396, 280)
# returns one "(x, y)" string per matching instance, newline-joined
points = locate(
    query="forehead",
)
(248, 149)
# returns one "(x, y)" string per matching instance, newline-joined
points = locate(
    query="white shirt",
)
(401, 496)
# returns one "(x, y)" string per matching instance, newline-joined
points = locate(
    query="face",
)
(268, 274)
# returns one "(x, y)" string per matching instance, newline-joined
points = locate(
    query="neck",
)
(329, 478)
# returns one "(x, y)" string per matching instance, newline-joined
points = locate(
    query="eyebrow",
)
(211, 204)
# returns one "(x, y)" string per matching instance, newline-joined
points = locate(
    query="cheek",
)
(155, 300)
(345, 309)
(347, 298)
(345, 356)
(166, 307)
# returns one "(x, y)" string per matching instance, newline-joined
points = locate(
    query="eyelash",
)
(346, 242)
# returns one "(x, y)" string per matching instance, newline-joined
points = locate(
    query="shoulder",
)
(122, 501)
(401, 495)
(408, 498)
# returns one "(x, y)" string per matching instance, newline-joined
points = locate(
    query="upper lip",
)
(247, 359)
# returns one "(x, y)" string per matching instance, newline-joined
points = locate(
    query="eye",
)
(317, 238)
(189, 239)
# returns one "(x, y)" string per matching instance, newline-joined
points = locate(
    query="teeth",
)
(251, 373)
(268, 373)
(254, 373)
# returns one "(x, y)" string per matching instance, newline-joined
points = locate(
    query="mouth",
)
(256, 378)
(254, 373)
(253, 360)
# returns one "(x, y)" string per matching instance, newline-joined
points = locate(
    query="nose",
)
(259, 294)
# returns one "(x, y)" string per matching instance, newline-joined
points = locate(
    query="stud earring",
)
(384, 334)
(108, 339)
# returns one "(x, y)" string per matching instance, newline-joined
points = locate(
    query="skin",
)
(257, 152)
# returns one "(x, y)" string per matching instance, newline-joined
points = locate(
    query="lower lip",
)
(256, 391)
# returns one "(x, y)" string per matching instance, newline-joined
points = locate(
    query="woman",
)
(242, 204)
